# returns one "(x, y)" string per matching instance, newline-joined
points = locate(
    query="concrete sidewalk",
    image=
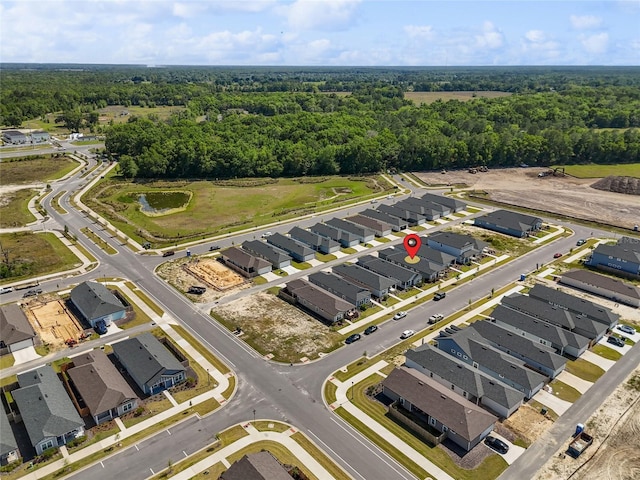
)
(549, 236)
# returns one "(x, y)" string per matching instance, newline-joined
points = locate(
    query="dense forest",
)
(240, 122)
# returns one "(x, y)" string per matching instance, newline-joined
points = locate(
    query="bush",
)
(77, 441)
(138, 411)
(10, 467)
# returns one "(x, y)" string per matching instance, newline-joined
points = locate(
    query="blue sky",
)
(321, 32)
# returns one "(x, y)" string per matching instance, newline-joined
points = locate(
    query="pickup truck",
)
(579, 444)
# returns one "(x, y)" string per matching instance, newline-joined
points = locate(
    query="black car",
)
(370, 329)
(101, 327)
(213, 248)
(168, 253)
(617, 341)
(439, 296)
(496, 444)
(352, 338)
(196, 290)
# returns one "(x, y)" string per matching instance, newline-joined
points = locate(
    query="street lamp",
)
(352, 391)
(254, 415)
(208, 377)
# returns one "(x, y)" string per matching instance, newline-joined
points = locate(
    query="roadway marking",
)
(168, 431)
(136, 445)
(185, 453)
(334, 452)
(102, 464)
(152, 472)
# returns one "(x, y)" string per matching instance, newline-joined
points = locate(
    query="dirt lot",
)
(214, 274)
(528, 423)
(615, 452)
(53, 322)
(571, 196)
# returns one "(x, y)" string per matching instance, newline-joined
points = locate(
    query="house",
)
(403, 277)
(571, 321)
(451, 203)
(377, 284)
(364, 234)
(16, 332)
(39, 136)
(345, 239)
(438, 257)
(397, 224)
(379, 228)
(536, 356)
(412, 218)
(471, 348)
(429, 271)
(101, 388)
(317, 242)
(96, 303)
(277, 257)
(317, 300)
(623, 258)
(429, 212)
(474, 385)
(509, 223)
(604, 286)
(464, 248)
(563, 341)
(14, 137)
(256, 466)
(437, 208)
(244, 263)
(348, 291)
(9, 451)
(298, 251)
(49, 416)
(575, 304)
(151, 366)
(423, 404)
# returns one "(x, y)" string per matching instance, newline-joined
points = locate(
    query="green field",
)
(420, 98)
(40, 169)
(223, 207)
(13, 209)
(600, 171)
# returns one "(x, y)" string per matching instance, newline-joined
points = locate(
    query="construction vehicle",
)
(473, 170)
(483, 168)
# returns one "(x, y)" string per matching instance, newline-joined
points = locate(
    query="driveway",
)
(622, 350)
(514, 450)
(576, 382)
(554, 403)
(25, 355)
(596, 359)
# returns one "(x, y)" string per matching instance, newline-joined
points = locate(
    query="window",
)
(46, 445)
(500, 375)
(432, 421)
(126, 407)
(431, 374)
(444, 428)
(459, 354)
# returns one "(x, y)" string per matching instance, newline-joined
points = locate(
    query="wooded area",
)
(263, 121)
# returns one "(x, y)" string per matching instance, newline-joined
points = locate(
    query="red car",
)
(557, 255)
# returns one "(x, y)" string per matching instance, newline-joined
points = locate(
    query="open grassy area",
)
(38, 254)
(224, 207)
(325, 257)
(147, 301)
(420, 98)
(14, 211)
(599, 171)
(585, 370)
(42, 168)
(6, 361)
(606, 352)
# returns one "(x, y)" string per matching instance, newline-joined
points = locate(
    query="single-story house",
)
(9, 451)
(463, 379)
(48, 414)
(277, 257)
(346, 239)
(428, 270)
(403, 277)
(510, 223)
(149, 363)
(378, 285)
(317, 242)
(428, 402)
(317, 300)
(14, 137)
(536, 356)
(412, 218)
(453, 204)
(340, 287)
(604, 286)
(16, 332)
(464, 247)
(397, 224)
(39, 136)
(623, 258)
(364, 234)
(562, 340)
(96, 303)
(379, 228)
(103, 390)
(298, 251)
(244, 263)
(256, 466)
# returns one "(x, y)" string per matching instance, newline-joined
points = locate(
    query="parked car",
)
(407, 334)
(168, 253)
(557, 255)
(496, 444)
(617, 341)
(352, 338)
(196, 290)
(32, 293)
(6, 289)
(266, 234)
(213, 248)
(436, 318)
(439, 296)
(626, 329)
(581, 242)
(101, 327)
(399, 315)
(370, 329)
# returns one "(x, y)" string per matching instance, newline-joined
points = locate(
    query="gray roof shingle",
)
(256, 466)
(14, 325)
(95, 300)
(595, 279)
(365, 277)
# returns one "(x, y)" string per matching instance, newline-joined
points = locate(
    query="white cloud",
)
(320, 15)
(585, 22)
(539, 47)
(535, 36)
(491, 37)
(419, 31)
(596, 43)
(188, 10)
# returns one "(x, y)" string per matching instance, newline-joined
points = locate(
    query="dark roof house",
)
(16, 332)
(623, 258)
(245, 263)
(256, 466)
(510, 223)
(9, 451)
(342, 288)
(453, 204)
(412, 218)
(297, 250)
(277, 257)
(377, 284)
(317, 300)
(379, 228)
(403, 277)
(396, 223)
(364, 234)
(315, 241)
(346, 239)
(96, 303)
(464, 247)
(606, 287)
(429, 271)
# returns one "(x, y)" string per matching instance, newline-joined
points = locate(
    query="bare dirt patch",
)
(627, 185)
(273, 326)
(527, 423)
(214, 274)
(53, 323)
(522, 187)
(615, 452)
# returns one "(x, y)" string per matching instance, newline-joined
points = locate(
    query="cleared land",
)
(53, 323)
(38, 169)
(522, 187)
(214, 274)
(14, 210)
(420, 98)
(122, 114)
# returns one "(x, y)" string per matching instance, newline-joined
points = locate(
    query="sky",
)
(321, 32)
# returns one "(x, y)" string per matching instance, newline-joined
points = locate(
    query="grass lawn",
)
(55, 203)
(14, 211)
(224, 207)
(300, 265)
(260, 280)
(599, 171)
(330, 392)
(538, 406)
(263, 426)
(99, 241)
(147, 301)
(40, 254)
(348, 250)
(6, 361)
(382, 239)
(40, 169)
(585, 370)
(606, 352)
(140, 318)
(325, 257)
(212, 359)
(564, 391)
(420, 98)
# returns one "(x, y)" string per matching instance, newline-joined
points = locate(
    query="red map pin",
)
(412, 244)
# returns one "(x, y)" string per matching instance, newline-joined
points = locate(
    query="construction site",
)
(54, 323)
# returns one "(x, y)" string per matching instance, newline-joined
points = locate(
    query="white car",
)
(436, 318)
(399, 315)
(266, 234)
(407, 334)
(6, 289)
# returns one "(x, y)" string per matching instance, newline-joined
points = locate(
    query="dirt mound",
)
(628, 185)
